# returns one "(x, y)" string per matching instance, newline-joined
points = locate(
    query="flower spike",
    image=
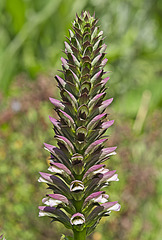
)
(77, 173)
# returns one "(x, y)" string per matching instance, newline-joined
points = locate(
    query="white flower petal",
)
(113, 178)
(55, 170)
(51, 202)
(77, 188)
(42, 214)
(116, 207)
(113, 153)
(101, 170)
(78, 221)
(42, 180)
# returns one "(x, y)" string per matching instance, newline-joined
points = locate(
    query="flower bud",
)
(78, 221)
(77, 163)
(77, 189)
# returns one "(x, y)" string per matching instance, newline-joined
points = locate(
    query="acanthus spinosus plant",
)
(77, 172)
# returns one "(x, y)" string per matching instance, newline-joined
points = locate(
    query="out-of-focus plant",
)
(76, 165)
(2, 237)
(29, 31)
(133, 30)
(26, 29)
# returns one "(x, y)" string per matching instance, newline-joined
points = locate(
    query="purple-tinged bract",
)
(77, 173)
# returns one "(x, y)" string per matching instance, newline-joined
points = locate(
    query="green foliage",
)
(63, 237)
(32, 34)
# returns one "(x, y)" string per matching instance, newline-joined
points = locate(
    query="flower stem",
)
(78, 205)
(80, 235)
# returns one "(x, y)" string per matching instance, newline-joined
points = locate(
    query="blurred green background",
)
(32, 35)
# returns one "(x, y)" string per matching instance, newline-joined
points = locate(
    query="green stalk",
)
(80, 235)
(78, 205)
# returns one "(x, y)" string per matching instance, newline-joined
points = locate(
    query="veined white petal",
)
(105, 171)
(47, 149)
(113, 178)
(98, 199)
(78, 221)
(101, 199)
(77, 188)
(42, 214)
(42, 180)
(55, 169)
(101, 170)
(76, 185)
(51, 202)
(113, 153)
(116, 207)
(107, 213)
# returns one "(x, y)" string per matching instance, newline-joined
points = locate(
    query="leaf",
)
(81, 133)
(17, 12)
(69, 97)
(67, 118)
(58, 154)
(96, 60)
(88, 50)
(94, 122)
(83, 112)
(83, 98)
(56, 214)
(55, 182)
(63, 237)
(75, 60)
(94, 101)
(94, 146)
(94, 34)
(93, 169)
(63, 140)
(96, 77)
(99, 157)
(64, 63)
(68, 48)
(85, 87)
(94, 215)
(101, 108)
(56, 103)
